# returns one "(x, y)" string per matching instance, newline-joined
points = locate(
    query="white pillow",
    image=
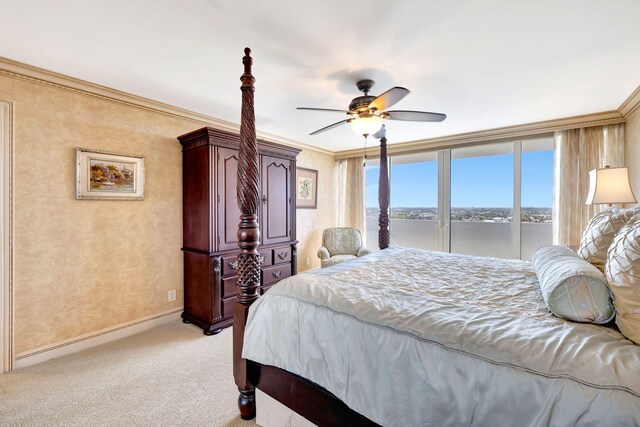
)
(571, 287)
(599, 234)
(623, 274)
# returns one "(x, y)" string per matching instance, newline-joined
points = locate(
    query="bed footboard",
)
(306, 398)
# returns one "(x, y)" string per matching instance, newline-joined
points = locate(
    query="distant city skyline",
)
(475, 182)
(527, 214)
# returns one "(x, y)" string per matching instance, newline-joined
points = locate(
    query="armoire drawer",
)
(229, 286)
(267, 258)
(275, 273)
(282, 255)
(230, 262)
(230, 265)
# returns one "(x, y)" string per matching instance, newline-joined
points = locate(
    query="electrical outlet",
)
(307, 262)
(171, 295)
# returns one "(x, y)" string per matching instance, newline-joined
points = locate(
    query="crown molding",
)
(542, 128)
(630, 104)
(41, 76)
(30, 73)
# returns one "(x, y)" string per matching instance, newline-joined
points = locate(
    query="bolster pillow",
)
(571, 287)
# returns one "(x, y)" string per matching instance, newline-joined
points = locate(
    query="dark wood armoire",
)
(211, 217)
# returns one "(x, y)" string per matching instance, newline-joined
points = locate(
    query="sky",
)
(475, 182)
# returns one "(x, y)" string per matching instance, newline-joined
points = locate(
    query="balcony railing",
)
(493, 239)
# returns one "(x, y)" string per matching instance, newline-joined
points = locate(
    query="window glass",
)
(414, 200)
(482, 200)
(537, 195)
(481, 192)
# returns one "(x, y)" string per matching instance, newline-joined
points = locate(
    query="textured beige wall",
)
(81, 266)
(311, 222)
(632, 150)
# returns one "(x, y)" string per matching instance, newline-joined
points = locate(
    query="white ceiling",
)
(485, 64)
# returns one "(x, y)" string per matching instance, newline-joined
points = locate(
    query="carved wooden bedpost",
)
(248, 238)
(384, 197)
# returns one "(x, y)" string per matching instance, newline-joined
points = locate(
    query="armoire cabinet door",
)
(228, 212)
(197, 203)
(276, 179)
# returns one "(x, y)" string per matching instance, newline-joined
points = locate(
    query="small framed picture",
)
(306, 188)
(101, 175)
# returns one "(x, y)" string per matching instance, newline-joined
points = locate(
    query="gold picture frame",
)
(103, 175)
(306, 188)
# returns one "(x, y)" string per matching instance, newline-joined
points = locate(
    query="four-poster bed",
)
(318, 405)
(411, 337)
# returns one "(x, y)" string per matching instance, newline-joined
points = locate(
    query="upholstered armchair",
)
(340, 244)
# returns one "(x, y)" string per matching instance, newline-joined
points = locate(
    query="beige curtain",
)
(351, 202)
(577, 151)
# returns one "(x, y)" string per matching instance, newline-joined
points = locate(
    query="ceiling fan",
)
(367, 112)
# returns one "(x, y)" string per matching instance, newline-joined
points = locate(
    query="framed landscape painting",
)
(306, 188)
(101, 175)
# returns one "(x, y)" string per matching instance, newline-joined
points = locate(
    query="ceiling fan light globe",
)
(366, 125)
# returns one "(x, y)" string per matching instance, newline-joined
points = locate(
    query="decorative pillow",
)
(599, 234)
(623, 273)
(571, 287)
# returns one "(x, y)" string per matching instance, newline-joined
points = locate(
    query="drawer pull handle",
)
(282, 255)
(277, 273)
(261, 259)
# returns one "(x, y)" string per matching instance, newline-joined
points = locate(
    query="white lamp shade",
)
(366, 125)
(609, 185)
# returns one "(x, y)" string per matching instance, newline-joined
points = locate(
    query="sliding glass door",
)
(488, 200)
(414, 200)
(482, 200)
(537, 195)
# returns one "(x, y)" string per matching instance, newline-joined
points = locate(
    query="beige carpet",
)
(171, 375)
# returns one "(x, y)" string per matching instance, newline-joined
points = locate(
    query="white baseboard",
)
(103, 336)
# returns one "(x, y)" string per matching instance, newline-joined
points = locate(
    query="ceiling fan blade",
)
(335, 125)
(415, 116)
(388, 98)
(323, 109)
